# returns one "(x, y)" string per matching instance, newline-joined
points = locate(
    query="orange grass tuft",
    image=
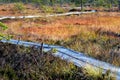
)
(60, 28)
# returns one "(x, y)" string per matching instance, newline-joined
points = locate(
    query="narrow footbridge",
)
(42, 16)
(79, 59)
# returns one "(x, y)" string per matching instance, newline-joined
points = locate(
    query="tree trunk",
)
(81, 5)
(119, 5)
(51, 2)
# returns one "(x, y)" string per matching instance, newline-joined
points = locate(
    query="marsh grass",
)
(101, 47)
(96, 35)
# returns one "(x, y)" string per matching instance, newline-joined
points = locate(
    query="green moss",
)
(54, 50)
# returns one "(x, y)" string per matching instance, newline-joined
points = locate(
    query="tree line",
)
(96, 3)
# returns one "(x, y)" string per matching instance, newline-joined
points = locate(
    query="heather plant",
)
(33, 65)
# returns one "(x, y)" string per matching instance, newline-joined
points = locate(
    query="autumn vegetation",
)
(96, 35)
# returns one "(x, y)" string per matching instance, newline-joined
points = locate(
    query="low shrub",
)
(19, 7)
(59, 10)
(47, 9)
(27, 63)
